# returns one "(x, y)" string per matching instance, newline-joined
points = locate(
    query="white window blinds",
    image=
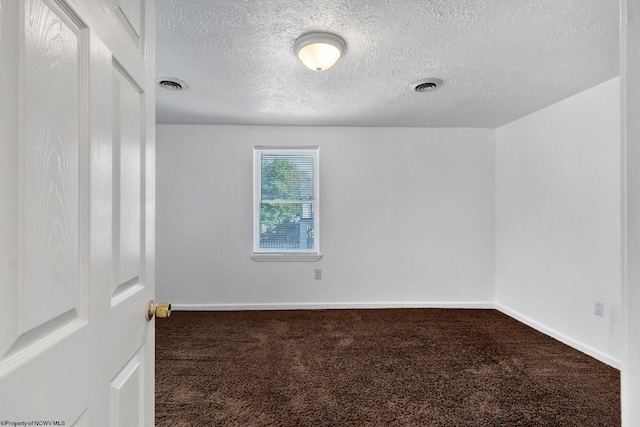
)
(286, 200)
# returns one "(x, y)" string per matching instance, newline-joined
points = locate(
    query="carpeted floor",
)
(391, 367)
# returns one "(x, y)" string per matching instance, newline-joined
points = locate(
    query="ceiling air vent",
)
(170, 83)
(426, 85)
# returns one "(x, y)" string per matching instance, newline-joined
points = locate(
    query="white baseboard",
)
(331, 305)
(598, 355)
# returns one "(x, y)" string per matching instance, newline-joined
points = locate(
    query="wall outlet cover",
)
(598, 308)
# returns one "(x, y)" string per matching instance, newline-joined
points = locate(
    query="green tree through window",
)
(282, 179)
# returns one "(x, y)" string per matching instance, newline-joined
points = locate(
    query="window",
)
(285, 207)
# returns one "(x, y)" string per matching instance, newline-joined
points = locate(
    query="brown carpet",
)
(392, 367)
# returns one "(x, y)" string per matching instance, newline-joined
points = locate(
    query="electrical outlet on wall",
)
(318, 274)
(598, 308)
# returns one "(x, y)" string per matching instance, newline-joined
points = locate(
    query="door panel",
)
(50, 270)
(55, 156)
(127, 172)
(131, 16)
(127, 394)
(76, 214)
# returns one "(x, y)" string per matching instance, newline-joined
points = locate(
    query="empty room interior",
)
(337, 213)
(467, 160)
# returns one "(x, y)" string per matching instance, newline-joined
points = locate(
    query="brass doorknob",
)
(162, 309)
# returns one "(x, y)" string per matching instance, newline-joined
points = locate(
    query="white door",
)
(76, 212)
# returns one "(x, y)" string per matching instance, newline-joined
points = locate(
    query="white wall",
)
(558, 227)
(406, 219)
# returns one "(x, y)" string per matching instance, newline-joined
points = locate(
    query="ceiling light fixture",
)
(319, 51)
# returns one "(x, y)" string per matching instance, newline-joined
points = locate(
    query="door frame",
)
(630, 132)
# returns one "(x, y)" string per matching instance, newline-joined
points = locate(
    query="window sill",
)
(287, 257)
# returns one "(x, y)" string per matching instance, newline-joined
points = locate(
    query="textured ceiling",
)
(499, 59)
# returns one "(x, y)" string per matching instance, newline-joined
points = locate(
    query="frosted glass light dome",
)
(319, 51)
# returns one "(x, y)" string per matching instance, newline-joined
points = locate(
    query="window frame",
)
(309, 255)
